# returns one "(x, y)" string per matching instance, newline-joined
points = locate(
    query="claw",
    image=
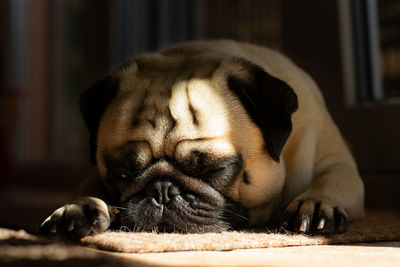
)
(45, 221)
(321, 224)
(304, 226)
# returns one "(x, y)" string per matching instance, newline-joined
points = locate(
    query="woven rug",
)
(376, 226)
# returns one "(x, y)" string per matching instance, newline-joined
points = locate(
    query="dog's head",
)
(189, 140)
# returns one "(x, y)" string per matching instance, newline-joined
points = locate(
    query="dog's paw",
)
(73, 221)
(314, 216)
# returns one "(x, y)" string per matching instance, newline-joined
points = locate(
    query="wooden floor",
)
(369, 254)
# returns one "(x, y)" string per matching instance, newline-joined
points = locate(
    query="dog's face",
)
(189, 141)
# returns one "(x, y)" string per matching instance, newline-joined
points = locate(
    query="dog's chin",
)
(182, 214)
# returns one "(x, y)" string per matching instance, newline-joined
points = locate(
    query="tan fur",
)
(190, 79)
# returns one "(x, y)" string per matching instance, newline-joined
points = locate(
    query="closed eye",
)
(212, 171)
(224, 175)
(218, 172)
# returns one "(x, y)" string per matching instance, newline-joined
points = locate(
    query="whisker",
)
(234, 213)
(121, 208)
(124, 228)
(125, 217)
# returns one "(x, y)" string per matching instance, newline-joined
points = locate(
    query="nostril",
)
(162, 191)
(154, 191)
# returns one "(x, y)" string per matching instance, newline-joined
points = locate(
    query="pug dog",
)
(210, 136)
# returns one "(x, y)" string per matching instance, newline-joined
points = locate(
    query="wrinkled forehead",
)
(160, 72)
(174, 111)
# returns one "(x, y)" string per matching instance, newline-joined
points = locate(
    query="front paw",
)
(73, 221)
(314, 216)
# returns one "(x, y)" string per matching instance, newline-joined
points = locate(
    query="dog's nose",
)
(163, 191)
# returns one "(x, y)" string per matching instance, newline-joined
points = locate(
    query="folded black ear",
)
(93, 103)
(268, 100)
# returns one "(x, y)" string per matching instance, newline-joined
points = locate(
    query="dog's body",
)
(189, 136)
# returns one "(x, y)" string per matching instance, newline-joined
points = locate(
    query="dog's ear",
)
(93, 103)
(268, 100)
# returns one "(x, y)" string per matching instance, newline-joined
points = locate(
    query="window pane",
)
(389, 28)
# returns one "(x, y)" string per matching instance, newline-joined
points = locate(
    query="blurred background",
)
(51, 50)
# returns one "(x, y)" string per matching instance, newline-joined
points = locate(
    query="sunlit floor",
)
(365, 254)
